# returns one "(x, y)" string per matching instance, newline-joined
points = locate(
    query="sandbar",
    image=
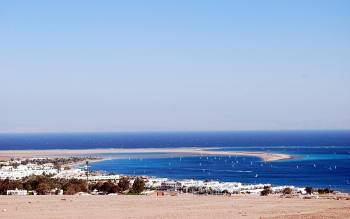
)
(265, 156)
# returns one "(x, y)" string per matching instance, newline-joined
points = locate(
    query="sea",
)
(322, 158)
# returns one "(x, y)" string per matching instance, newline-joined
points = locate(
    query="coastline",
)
(267, 157)
(170, 205)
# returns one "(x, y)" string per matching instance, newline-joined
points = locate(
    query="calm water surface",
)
(323, 157)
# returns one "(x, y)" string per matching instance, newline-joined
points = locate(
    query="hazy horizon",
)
(148, 66)
(177, 131)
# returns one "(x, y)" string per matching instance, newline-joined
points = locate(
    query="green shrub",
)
(124, 183)
(308, 190)
(287, 191)
(267, 190)
(138, 186)
(324, 191)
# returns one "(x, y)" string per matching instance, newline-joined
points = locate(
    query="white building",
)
(16, 192)
(21, 171)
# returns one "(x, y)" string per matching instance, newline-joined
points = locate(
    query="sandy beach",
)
(182, 206)
(6, 154)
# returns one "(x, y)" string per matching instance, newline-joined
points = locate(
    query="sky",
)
(184, 65)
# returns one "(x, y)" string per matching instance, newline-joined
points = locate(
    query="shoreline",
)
(265, 156)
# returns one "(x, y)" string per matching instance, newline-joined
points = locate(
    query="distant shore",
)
(265, 156)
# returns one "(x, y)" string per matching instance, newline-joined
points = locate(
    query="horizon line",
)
(173, 131)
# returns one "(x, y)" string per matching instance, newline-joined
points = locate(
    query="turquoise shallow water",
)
(316, 157)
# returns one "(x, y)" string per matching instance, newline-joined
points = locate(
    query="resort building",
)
(17, 192)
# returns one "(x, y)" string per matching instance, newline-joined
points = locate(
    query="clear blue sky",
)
(174, 65)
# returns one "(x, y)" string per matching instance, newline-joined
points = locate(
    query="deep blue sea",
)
(322, 157)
